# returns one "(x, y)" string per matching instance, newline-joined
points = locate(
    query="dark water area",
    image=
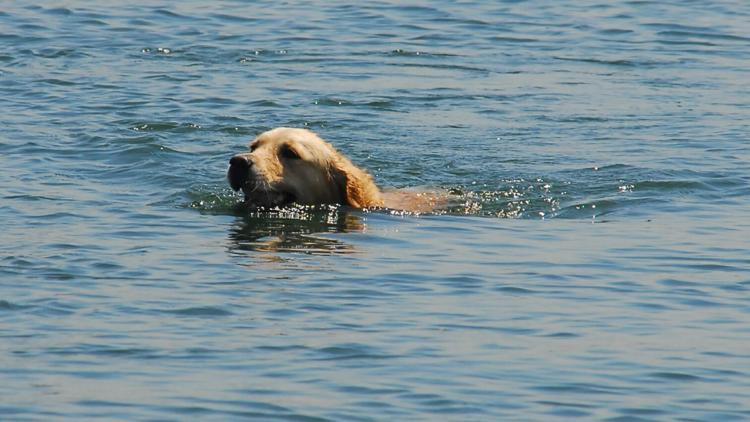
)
(593, 263)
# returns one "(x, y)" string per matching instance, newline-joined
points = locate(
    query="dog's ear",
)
(355, 186)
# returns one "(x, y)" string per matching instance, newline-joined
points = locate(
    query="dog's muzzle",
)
(239, 171)
(240, 177)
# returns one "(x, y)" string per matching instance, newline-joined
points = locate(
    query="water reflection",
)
(294, 229)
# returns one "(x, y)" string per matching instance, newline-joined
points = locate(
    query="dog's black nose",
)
(239, 171)
(239, 161)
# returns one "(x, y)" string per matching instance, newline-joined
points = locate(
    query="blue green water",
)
(595, 265)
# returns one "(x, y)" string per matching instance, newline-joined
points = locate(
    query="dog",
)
(295, 166)
(289, 165)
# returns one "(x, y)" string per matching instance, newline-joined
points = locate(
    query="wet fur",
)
(319, 174)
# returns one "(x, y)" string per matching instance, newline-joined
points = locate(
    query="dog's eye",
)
(289, 153)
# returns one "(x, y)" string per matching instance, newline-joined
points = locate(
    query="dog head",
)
(287, 165)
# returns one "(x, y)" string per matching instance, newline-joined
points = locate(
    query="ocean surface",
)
(594, 264)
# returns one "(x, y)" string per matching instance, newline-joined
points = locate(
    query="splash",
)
(516, 198)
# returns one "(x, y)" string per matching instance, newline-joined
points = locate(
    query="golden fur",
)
(288, 165)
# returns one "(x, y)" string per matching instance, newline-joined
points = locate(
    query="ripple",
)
(102, 350)
(383, 105)
(616, 62)
(8, 306)
(234, 18)
(440, 66)
(165, 127)
(513, 40)
(580, 388)
(214, 101)
(516, 290)
(703, 35)
(351, 352)
(56, 53)
(200, 311)
(172, 14)
(58, 82)
(564, 335)
(406, 53)
(62, 11)
(675, 376)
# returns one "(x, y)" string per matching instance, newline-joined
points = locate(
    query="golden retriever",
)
(288, 165)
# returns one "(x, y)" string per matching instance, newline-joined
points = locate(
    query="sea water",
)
(594, 263)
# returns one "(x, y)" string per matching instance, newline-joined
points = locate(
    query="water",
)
(595, 265)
